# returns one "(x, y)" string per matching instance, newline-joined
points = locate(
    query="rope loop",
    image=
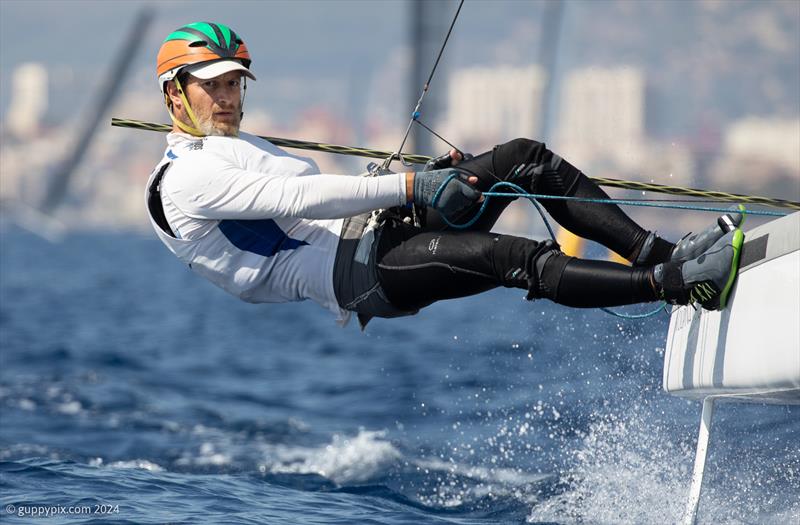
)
(533, 197)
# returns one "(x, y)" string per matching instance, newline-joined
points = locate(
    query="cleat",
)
(692, 246)
(706, 280)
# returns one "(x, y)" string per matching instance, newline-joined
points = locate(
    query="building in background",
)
(602, 117)
(26, 148)
(29, 100)
(760, 152)
(490, 105)
(773, 140)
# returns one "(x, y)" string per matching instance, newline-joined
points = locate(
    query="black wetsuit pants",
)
(419, 266)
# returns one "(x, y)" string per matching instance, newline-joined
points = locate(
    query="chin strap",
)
(244, 94)
(191, 130)
(185, 127)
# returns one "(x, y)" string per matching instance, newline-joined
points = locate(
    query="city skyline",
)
(362, 101)
(353, 57)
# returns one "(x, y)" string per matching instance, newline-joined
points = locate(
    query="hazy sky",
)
(78, 39)
(725, 59)
(321, 41)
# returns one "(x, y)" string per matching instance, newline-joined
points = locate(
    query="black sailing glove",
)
(455, 196)
(444, 161)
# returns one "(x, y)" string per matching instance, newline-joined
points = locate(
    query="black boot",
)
(707, 280)
(656, 250)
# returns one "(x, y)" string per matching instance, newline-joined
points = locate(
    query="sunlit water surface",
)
(133, 387)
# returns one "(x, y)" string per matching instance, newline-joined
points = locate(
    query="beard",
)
(220, 129)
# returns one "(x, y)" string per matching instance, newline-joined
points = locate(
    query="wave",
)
(628, 469)
(344, 460)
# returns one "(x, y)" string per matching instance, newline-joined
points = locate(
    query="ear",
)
(174, 94)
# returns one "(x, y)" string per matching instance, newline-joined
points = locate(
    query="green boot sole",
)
(738, 241)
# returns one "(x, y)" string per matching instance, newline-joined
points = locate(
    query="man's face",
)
(216, 103)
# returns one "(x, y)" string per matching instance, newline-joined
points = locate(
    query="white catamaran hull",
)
(750, 350)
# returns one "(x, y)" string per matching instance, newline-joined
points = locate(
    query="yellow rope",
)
(719, 196)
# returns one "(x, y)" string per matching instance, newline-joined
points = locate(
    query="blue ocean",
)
(132, 391)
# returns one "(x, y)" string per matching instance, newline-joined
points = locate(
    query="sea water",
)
(132, 391)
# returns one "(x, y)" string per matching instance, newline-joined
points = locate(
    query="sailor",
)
(266, 226)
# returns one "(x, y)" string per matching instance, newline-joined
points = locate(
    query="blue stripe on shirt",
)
(262, 237)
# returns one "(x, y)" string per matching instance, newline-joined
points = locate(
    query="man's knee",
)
(546, 269)
(525, 263)
(525, 150)
(555, 177)
(539, 168)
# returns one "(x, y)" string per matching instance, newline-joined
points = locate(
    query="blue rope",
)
(662, 306)
(520, 192)
(487, 195)
(623, 202)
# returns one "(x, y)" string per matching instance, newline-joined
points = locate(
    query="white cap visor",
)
(214, 69)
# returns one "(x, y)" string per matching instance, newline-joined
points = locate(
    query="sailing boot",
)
(691, 245)
(707, 280)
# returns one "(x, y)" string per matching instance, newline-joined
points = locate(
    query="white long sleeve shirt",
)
(258, 221)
